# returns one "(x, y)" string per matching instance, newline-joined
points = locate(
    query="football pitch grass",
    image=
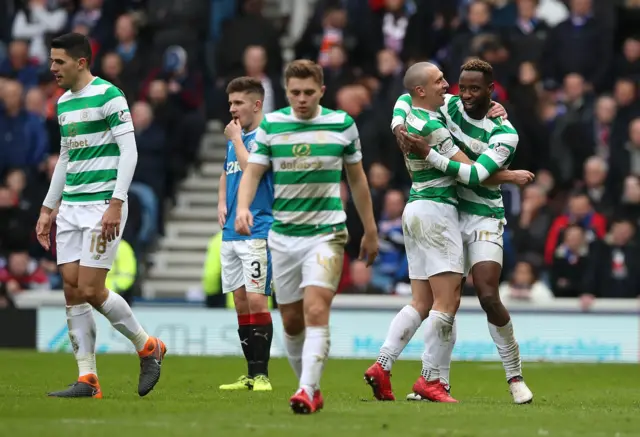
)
(570, 400)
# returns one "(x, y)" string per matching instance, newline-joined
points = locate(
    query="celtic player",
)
(307, 147)
(491, 143)
(97, 160)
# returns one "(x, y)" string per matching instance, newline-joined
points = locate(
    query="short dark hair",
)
(304, 69)
(480, 66)
(246, 84)
(75, 44)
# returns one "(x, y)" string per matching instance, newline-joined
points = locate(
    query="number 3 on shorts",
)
(257, 272)
(98, 244)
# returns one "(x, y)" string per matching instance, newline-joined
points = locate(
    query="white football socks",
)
(402, 329)
(293, 345)
(119, 313)
(82, 334)
(314, 355)
(508, 349)
(445, 369)
(438, 339)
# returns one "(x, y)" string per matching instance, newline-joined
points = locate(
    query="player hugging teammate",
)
(441, 135)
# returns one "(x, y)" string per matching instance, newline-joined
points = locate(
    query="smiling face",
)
(475, 91)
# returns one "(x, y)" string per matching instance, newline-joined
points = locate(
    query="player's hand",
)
(222, 214)
(418, 144)
(399, 132)
(244, 222)
(111, 221)
(43, 230)
(369, 247)
(497, 110)
(233, 130)
(522, 177)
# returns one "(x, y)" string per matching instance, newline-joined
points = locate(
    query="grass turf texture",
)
(570, 400)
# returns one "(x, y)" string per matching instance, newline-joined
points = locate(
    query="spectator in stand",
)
(379, 177)
(595, 176)
(361, 280)
(630, 205)
(111, 69)
(18, 65)
(38, 21)
(14, 224)
(626, 160)
(326, 32)
(525, 286)
(403, 26)
(576, 109)
(130, 50)
(570, 263)
(151, 141)
(533, 224)
(527, 35)
(392, 251)
(22, 273)
(337, 75)
(24, 142)
(599, 139)
(614, 267)
(628, 63)
(581, 213)
(390, 75)
(184, 85)
(255, 64)
(478, 22)
(580, 45)
(247, 29)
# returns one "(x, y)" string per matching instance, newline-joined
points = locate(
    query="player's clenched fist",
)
(244, 222)
(522, 177)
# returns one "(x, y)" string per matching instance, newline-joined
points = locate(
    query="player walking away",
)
(491, 142)
(307, 146)
(246, 260)
(97, 160)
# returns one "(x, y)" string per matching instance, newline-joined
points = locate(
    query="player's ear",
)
(257, 106)
(322, 90)
(491, 87)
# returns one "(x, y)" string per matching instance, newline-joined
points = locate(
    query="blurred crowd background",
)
(567, 72)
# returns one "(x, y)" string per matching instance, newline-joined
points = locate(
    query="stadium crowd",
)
(566, 71)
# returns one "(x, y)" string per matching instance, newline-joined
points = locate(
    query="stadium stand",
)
(574, 101)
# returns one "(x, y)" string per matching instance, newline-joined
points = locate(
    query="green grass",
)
(570, 400)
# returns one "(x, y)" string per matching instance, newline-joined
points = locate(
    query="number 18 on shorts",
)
(248, 263)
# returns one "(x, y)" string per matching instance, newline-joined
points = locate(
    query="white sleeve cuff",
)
(437, 160)
(256, 158)
(396, 121)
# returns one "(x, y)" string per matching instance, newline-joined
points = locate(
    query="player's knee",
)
(422, 307)
(257, 303)
(71, 293)
(293, 324)
(489, 300)
(240, 302)
(316, 314)
(92, 294)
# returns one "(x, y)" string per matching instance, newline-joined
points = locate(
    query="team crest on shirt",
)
(252, 146)
(301, 150)
(477, 146)
(72, 129)
(124, 116)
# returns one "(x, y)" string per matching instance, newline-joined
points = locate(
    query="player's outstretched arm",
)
(361, 195)
(502, 176)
